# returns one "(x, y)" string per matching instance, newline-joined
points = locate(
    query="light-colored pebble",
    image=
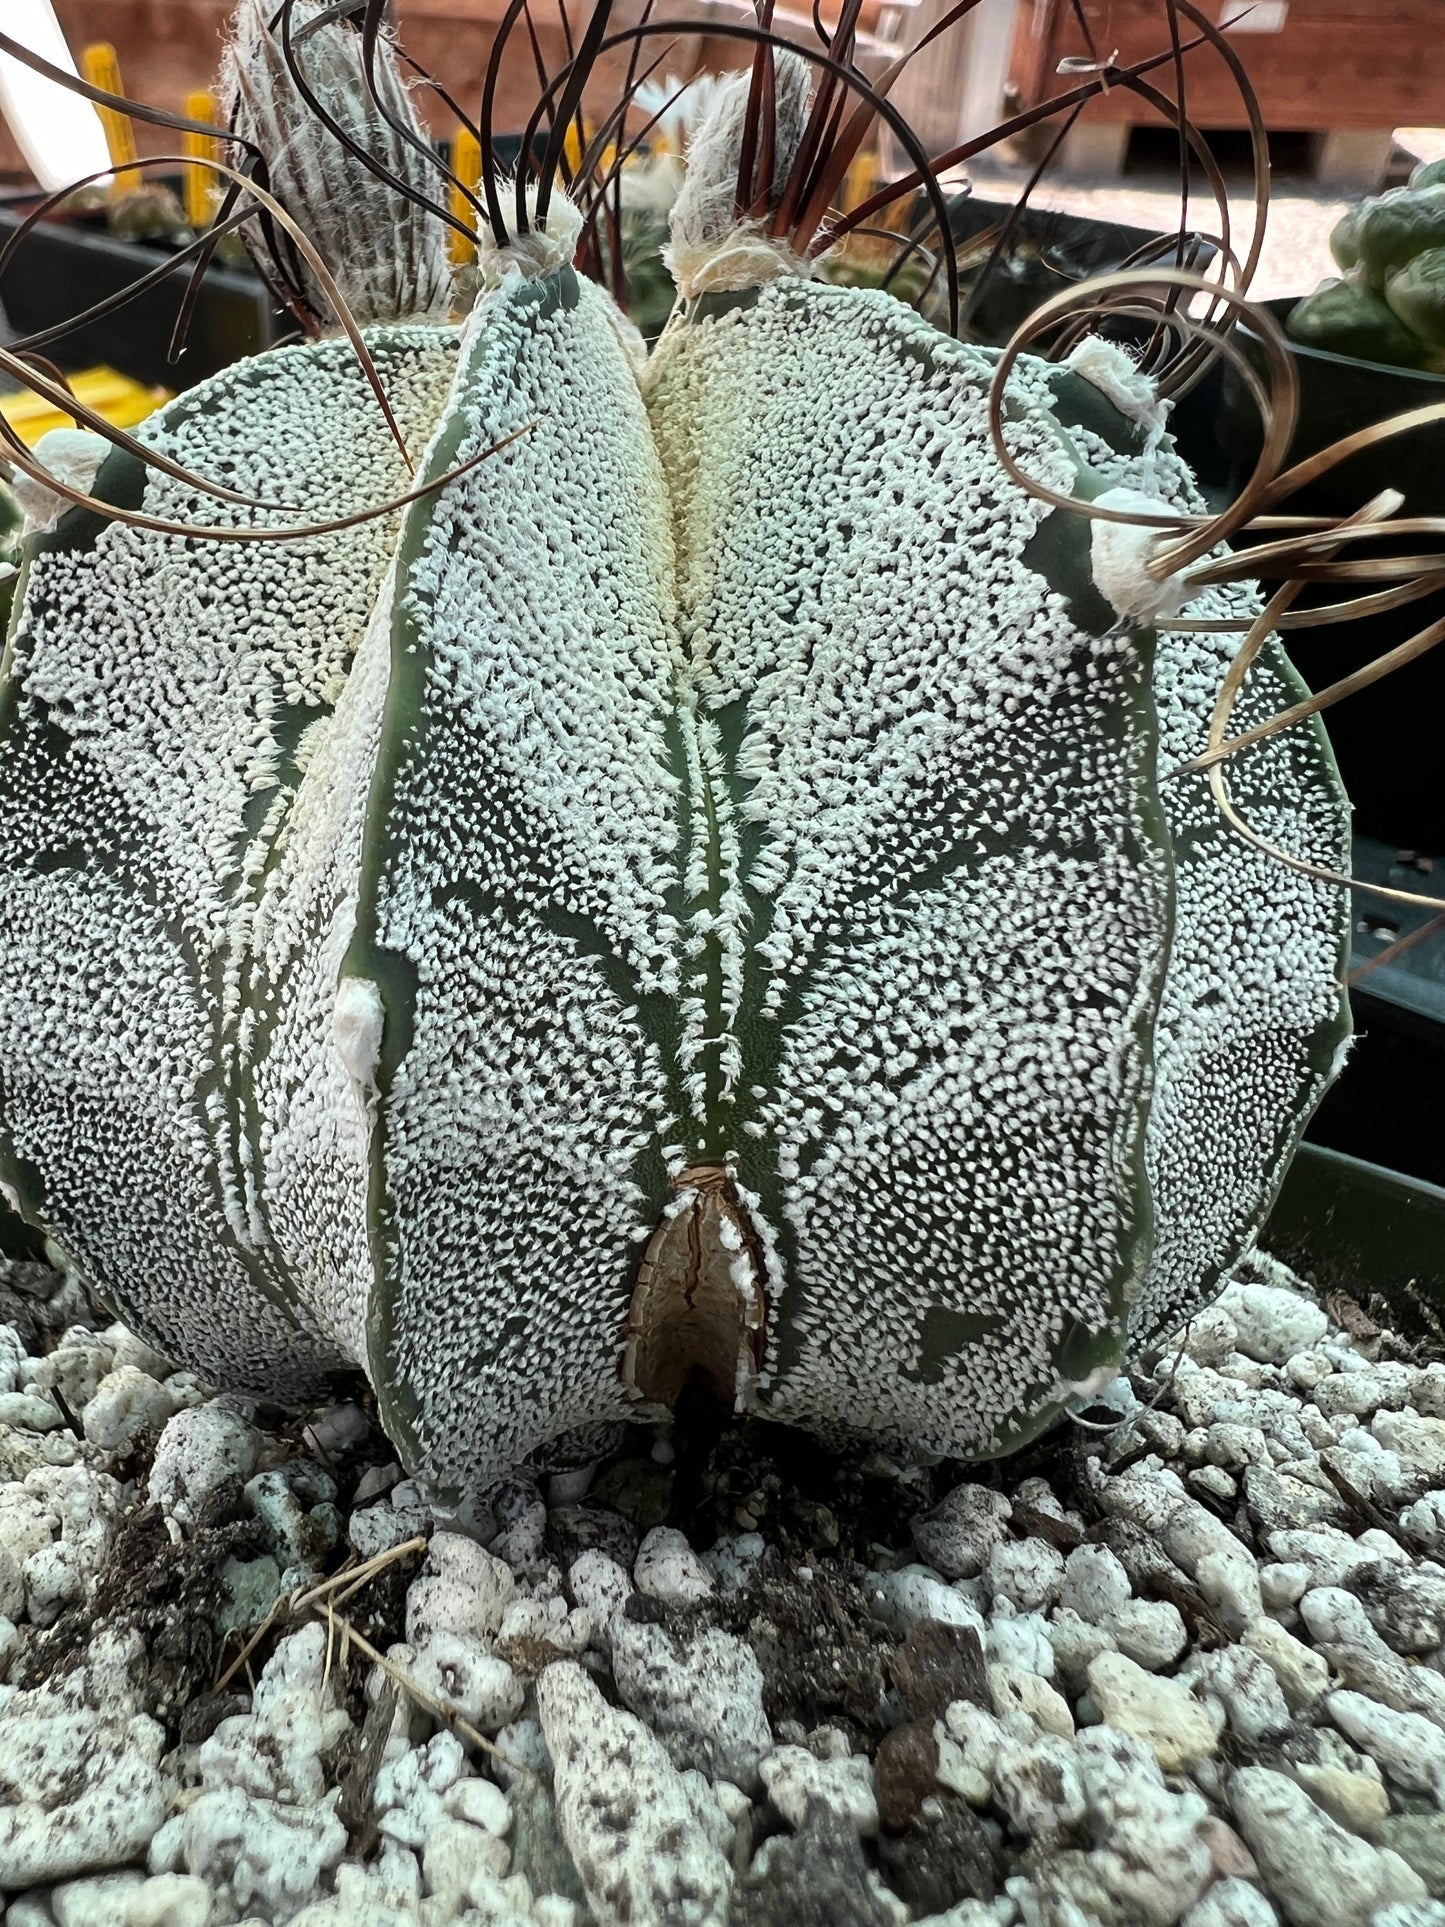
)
(1321, 1875)
(668, 1568)
(1178, 1728)
(795, 1779)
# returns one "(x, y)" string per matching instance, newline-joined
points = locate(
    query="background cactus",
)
(702, 891)
(1391, 305)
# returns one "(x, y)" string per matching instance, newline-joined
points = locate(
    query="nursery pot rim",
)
(1280, 305)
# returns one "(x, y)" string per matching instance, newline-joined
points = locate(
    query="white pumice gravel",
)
(1188, 1671)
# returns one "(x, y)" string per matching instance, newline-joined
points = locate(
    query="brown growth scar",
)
(699, 1305)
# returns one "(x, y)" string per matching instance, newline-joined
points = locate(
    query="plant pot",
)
(1047, 252)
(1386, 1104)
(62, 268)
(1349, 1226)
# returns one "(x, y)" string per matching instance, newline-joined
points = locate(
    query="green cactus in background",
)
(1389, 308)
(701, 891)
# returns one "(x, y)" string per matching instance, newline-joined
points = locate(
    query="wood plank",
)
(1337, 65)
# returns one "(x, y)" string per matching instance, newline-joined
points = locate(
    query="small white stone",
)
(164, 1855)
(1321, 1875)
(1010, 1691)
(464, 1589)
(480, 1802)
(23, 1412)
(1334, 1617)
(1329, 1555)
(1354, 1393)
(959, 1534)
(1151, 1632)
(702, 1695)
(1420, 1442)
(1282, 1584)
(1357, 1801)
(912, 1593)
(1411, 1749)
(1021, 1643)
(453, 1854)
(84, 1789)
(1027, 1572)
(668, 1568)
(1075, 1642)
(1273, 1323)
(12, 1353)
(374, 1529)
(273, 1857)
(96, 1902)
(601, 1589)
(463, 1674)
(1302, 1674)
(1231, 1903)
(410, 1789)
(1235, 1445)
(30, 1910)
(170, 1900)
(126, 1403)
(969, 1739)
(733, 1560)
(1245, 1685)
(1305, 1369)
(1424, 1521)
(1210, 1336)
(1037, 1785)
(1213, 1479)
(197, 1452)
(1180, 1729)
(54, 1579)
(794, 1778)
(552, 1910)
(625, 1814)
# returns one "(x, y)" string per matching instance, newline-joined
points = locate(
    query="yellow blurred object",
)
(858, 182)
(467, 166)
(101, 67)
(572, 147)
(200, 182)
(120, 400)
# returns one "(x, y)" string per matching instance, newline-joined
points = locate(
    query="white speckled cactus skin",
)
(731, 808)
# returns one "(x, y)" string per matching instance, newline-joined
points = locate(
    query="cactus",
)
(1389, 307)
(701, 892)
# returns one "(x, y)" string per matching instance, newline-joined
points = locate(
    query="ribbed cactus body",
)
(704, 890)
(161, 700)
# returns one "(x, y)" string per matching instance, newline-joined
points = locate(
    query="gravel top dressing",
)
(1182, 1661)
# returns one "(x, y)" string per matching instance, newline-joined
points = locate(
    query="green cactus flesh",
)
(706, 885)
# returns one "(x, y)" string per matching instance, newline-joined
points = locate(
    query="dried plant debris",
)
(1175, 1672)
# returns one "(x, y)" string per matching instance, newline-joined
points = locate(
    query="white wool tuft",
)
(1120, 554)
(357, 1024)
(537, 253)
(73, 456)
(709, 250)
(1107, 367)
(389, 256)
